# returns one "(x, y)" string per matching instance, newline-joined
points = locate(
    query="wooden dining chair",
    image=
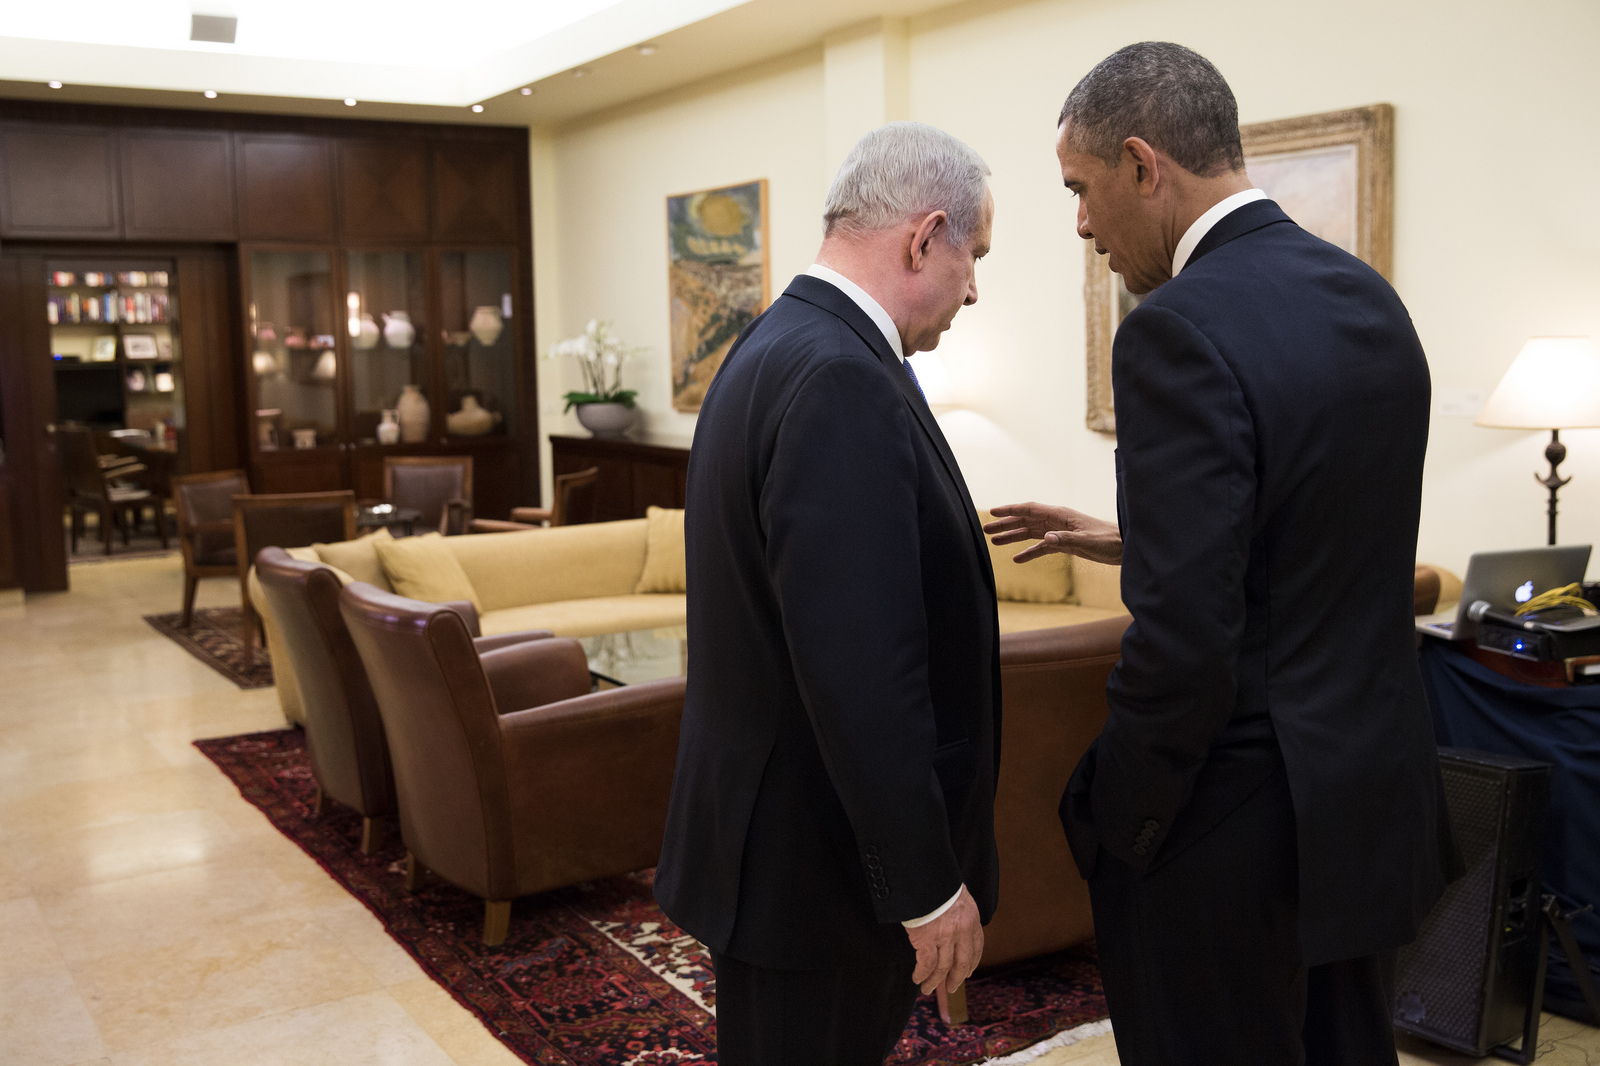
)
(102, 484)
(204, 503)
(286, 520)
(438, 486)
(575, 502)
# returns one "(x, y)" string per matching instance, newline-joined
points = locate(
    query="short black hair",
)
(1168, 95)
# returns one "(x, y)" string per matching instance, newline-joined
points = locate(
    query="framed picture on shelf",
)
(105, 349)
(1332, 173)
(140, 346)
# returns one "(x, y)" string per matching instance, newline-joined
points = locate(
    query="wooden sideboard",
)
(636, 471)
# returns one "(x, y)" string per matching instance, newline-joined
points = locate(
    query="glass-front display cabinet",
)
(358, 354)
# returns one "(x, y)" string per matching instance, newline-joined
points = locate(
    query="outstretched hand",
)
(949, 947)
(1058, 530)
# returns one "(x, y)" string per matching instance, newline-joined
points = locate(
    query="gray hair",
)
(906, 170)
(1166, 94)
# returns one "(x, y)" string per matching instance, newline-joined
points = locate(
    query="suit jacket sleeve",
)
(839, 510)
(1186, 444)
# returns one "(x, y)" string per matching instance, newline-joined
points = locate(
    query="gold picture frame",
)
(1333, 173)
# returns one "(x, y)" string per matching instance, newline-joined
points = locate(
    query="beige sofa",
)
(614, 577)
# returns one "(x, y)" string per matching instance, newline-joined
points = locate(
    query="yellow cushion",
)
(309, 555)
(664, 562)
(424, 568)
(1015, 617)
(358, 558)
(550, 565)
(1097, 585)
(590, 617)
(1047, 580)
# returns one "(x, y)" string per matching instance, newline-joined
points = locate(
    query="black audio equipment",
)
(1469, 979)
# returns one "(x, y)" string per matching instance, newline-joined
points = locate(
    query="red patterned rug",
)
(215, 640)
(596, 975)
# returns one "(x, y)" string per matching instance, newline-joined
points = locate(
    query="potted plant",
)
(605, 408)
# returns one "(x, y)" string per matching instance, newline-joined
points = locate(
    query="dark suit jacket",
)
(841, 730)
(1272, 416)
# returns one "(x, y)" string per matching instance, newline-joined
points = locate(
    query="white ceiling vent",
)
(219, 29)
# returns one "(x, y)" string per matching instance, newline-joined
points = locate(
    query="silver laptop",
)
(1505, 581)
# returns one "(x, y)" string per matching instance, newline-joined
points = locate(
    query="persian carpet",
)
(596, 974)
(215, 640)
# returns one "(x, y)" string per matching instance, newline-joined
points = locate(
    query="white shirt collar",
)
(1194, 234)
(873, 308)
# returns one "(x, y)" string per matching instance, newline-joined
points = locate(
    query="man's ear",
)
(921, 241)
(1146, 167)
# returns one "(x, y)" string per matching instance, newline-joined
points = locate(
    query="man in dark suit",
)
(1261, 822)
(831, 830)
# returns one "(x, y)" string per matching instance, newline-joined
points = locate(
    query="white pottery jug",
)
(398, 330)
(389, 428)
(413, 412)
(472, 420)
(366, 333)
(486, 324)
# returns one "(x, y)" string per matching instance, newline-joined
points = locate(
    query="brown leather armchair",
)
(576, 502)
(512, 777)
(344, 732)
(204, 503)
(439, 486)
(285, 520)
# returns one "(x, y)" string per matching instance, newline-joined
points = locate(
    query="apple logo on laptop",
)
(1524, 592)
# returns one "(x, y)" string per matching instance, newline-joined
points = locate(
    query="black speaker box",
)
(1467, 980)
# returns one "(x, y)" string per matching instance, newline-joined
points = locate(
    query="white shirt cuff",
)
(931, 915)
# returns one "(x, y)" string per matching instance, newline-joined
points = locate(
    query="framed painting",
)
(1332, 173)
(718, 279)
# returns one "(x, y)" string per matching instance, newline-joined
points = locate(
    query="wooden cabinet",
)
(383, 190)
(285, 187)
(635, 472)
(178, 185)
(475, 191)
(59, 181)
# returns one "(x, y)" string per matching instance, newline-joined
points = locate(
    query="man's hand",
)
(1057, 529)
(949, 947)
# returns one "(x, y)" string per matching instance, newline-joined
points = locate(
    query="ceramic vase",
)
(389, 428)
(473, 420)
(366, 333)
(398, 330)
(413, 413)
(486, 324)
(605, 419)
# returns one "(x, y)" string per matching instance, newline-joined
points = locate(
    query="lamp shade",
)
(1554, 383)
(934, 379)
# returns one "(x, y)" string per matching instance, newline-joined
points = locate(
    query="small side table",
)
(384, 514)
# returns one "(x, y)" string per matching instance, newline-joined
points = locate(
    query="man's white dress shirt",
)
(891, 333)
(1194, 234)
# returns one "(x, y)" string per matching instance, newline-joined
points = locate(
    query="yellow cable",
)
(1570, 596)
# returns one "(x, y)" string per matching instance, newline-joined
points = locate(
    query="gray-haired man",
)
(831, 834)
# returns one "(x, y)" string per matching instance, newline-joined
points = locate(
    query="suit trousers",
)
(1200, 956)
(832, 1017)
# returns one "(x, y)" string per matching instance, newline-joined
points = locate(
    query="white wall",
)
(1497, 222)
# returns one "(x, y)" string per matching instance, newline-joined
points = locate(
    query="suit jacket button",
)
(883, 893)
(1151, 824)
(1139, 849)
(872, 849)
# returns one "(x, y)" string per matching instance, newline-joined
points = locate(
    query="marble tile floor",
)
(149, 915)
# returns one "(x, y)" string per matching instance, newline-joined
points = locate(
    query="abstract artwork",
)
(1332, 173)
(717, 280)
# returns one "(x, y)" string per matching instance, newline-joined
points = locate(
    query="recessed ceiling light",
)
(526, 91)
(647, 49)
(477, 109)
(582, 72)
(55, 85)
(349, 101)
(210, 94)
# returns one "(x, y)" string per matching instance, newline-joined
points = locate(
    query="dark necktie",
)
(912, 374)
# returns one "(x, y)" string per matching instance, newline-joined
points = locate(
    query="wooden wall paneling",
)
(213, 363)
(286, 187)
(8, 551)
(178, 185)
(27, 390)
(383, 189)
(496, 482)
(319, 470)
(527, 427)
(59, 181)
(477, 190)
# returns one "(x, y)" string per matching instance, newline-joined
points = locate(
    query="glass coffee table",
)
(639, 655)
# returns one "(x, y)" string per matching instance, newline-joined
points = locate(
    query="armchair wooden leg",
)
(496, 921)
(161, 522)
(371, 835)
(416, 873)
(190, 584)
(953, 1006)
(316, 806)
(107, 522)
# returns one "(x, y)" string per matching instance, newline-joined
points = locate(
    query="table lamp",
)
(1554, 384)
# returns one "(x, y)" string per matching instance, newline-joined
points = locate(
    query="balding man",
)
(831, 833)
(1261, 822)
